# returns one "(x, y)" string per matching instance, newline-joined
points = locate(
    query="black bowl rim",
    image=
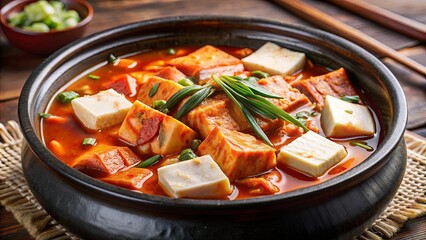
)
(9, 6)
(377, 159)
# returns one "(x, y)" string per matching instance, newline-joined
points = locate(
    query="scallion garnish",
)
(112, 58)
(179, 95)
(44, 115)
(171, 51)
(186, 154)
(195, 144)
(351, 99)
(260, 74)
(94, 77)
(349, 111)
(149, 162)
(153, 90)
(89, 142)
(194, 100)
(66, 97)
(185, 82)
(362, 145)
(313, 113)
(250, 100)
(158, 104)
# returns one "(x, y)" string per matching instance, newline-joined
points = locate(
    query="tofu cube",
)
(343, 119)
(311, 154)
(238, 154)
(166, 89)
(132, 178)
(102, 110)
(164, 135)
(170, 73)
(275, 60)
(196, 178)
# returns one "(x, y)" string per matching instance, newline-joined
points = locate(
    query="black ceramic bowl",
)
(339, 208)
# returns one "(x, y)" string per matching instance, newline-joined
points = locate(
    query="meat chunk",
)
(206, 61)
(238, 154)
(335, 84)
(170, 73)
(210, 113)
(123, 83)
(104, 160)
(165, 90)
(132, 178)
(161, 134)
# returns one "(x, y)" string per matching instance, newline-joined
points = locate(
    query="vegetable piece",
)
(57, 148)
(37, 27)
(89, 142)
(38, 10)
(149, 162)
(179, 95)
(334, 83)
(350, 99)
(196, 178)
(102, 110)
(66, 97)
(132, 178)
(195, 144)
(171, 51)
(187, 154)
(275, 60)
(112, 58)
(153, 90)
(94, 77)
(18, 19)
(343, 119)
(194, 101)
(158, 104)
(45, 115)
(260, 74)
(311, 154)
(55, 120)
(185, 82)
(362, 145)
(126, 63)
(166, 89)
(238, 154)
(170, 73)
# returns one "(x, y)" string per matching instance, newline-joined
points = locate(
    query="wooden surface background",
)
(17, 65)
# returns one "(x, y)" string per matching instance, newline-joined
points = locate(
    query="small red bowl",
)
(44, 43)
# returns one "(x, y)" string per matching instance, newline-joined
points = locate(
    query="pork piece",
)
(210, 113)
(291, 100)
(166, 89)
(262, 185)
(238, 154)
(335, 84)
(160, 133)
(103, 160)
(132, 178)
(206, 61)
(123, 83)
(170, 73)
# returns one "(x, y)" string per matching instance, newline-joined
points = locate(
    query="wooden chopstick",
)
(329, 23)
(384, 17)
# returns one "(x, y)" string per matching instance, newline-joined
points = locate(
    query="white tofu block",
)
(196, 178)
(275, 60)
(344, 119)
(311, 154)
(101, 110)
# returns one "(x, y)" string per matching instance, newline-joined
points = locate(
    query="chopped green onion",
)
(186, 154)
(94, 77)
(185, 82)
(362, 145)
(66, 97)
(153, 90)
(158, 104)
(193, 101)
(112, 58)
(179, 95)
(44, 115)
(349, 111)
(302, 114)
(149, 162)
(195, 144)
(89, 142)
(171, 51)
(351, 99)
(313, 113)
(260, 74)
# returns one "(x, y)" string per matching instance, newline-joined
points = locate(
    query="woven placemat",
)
(409, 203)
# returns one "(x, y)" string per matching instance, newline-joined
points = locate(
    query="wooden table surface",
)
(17, 65)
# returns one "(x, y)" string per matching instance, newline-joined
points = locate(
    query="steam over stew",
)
(211, 122)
